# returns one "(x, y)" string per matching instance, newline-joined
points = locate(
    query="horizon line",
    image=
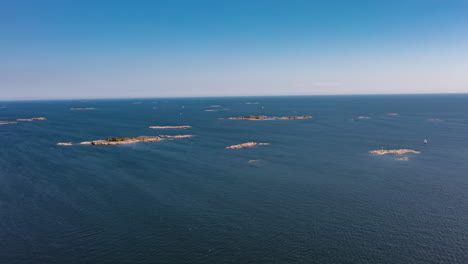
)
(219, 96)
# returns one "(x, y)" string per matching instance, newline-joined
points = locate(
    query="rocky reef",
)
(391, 114)
(7, 122)
(125, 140)
(82, 108)
(64, 144)
(363, 117)
(169, 127)
(31, 119)
(247, 145)
(393, 151)
(261, 118)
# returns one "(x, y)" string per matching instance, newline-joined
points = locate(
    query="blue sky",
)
(103, 49)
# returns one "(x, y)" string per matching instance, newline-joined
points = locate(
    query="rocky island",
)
(363, 117)
(261, 118)
(391, 114)
(7, 122)
(393, 151)
(169, 127)
(64, 144)
(31, 119)
(125, 140)
(247, 145)
(82, 108)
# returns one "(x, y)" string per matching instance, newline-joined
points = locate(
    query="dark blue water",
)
(315, 195)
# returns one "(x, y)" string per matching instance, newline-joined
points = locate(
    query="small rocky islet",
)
(125, 140)
(7, 122)
(22, 120)
(82, 108)
(393, 151)
(30, 119)
(262, 117)
(169, 127)
(246, 145)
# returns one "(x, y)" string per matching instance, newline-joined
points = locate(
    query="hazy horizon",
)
(92, 50)
(219, 96)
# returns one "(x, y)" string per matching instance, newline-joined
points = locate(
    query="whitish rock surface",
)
(169, 127)
(261, 118)
(31, 119)
(246, 145)
(393, 151)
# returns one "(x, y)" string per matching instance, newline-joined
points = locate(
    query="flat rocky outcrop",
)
(261, 117)
(246, 145)
(82, 108)
(125, 140)
(31, 119)
(64, 144)
(7, 122)
(169, 127)
(393, 151)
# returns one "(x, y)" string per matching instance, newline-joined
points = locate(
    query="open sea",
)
(315, 195)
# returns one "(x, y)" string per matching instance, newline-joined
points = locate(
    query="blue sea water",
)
(315, 195)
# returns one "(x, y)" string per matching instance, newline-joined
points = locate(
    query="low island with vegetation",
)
(125, 140)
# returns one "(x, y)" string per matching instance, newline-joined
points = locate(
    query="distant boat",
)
(425, 141)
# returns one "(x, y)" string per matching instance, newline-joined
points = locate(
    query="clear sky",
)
(105, 49)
